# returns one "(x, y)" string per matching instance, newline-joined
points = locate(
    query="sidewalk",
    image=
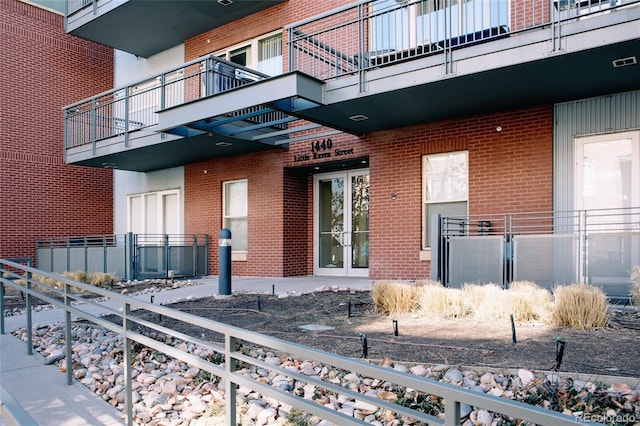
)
(37, 394)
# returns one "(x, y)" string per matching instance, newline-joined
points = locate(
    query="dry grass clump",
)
(442, 302)
(101, 279)
(96, 279)
(580, 306)
(635, 287)
(526, 301)
(391, 297)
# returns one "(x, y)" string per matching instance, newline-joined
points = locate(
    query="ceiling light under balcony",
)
(623, 62)
(358, 117)
(223, 143)
(225, 2)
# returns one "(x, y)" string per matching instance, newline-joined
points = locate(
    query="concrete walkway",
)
(33, 393)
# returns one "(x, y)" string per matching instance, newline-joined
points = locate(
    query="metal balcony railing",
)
(370, 34)
(134, 107)
(600, 247)
(233, 359)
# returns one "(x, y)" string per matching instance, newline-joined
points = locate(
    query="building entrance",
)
(341, 223)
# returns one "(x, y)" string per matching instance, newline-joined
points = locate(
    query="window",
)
(154, 213)
(262, 54)
(445, 188)
(235, 208)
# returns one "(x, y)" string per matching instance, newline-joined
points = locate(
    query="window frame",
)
(141, 224)
(425, 243)
(252, 48)
(226, 217)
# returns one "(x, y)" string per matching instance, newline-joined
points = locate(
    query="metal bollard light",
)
(224, 262)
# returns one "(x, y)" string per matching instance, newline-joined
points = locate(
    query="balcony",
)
(204, 109)
(361, 68)
(391, 64)
(145, 28)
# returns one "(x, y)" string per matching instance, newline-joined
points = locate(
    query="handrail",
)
(453, 396)
(391, 32)
(167, 71)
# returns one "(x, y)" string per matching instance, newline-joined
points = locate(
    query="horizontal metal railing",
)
(370, 34)
(123, 110)
(547, 222)
(230, 349)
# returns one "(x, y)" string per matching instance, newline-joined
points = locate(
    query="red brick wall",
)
(265, 185)
(271, 19)
(509, 171)
(44, 69)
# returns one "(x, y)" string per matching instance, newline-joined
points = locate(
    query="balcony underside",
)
(127, 26)
(395, 99)
(149, 151)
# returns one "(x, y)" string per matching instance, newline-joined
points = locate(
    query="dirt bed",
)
(346, 318)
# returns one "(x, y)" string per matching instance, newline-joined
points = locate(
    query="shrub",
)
(443, 302)
(635, 287)
(525, 300)
(391, 297)
(96, 279)
(580, 306)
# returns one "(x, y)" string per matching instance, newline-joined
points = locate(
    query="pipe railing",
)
(233, 356)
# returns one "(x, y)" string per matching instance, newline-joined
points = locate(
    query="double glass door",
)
(341, 223)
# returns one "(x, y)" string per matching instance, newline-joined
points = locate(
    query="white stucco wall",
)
(129, 68)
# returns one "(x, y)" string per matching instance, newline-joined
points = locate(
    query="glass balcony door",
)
(341, 223)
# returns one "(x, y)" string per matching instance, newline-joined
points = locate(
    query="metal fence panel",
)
(545, 259)
(611, 257)
(476, 259)
(116, 261)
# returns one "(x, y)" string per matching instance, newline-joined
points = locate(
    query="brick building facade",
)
(411, 122)
(43, 69)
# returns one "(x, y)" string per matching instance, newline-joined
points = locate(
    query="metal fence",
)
(369, 34)
(127, 256)
(232, 341)
(599, 247)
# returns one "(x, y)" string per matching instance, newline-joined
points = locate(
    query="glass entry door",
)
(608, 187)
(341, 223)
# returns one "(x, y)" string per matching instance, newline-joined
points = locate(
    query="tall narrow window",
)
(235, 207)
(270, 55)
(445, 188)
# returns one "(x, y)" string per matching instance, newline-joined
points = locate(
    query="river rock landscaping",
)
(170, 392)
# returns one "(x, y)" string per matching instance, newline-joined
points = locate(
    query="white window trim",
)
(159, 207)
(425, 252)
(253, 49)
(240, 255)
